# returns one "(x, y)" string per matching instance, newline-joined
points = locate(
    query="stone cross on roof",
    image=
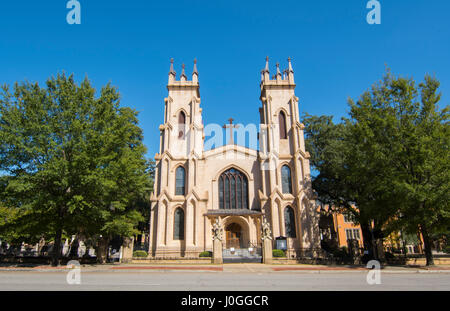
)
(231, 126)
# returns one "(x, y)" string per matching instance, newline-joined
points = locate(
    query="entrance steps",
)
(242, 255)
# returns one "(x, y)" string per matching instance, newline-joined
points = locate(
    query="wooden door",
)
(233, 236)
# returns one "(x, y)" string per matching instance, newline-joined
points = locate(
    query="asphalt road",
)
(222, 280)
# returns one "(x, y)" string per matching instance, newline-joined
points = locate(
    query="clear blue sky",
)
(335, 53)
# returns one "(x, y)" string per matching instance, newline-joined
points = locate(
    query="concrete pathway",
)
(230, 268)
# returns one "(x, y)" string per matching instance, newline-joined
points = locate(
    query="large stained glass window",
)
(233, 189)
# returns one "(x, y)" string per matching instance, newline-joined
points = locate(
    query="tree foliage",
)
(390, 158)
(72, 162)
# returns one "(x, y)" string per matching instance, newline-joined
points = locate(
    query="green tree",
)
(142, 202)
(409, 137)
(8, 215)
(72, 162)
(390, 159)
(344, 178)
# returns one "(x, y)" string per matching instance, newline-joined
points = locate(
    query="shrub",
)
(278, 253)
(340, 253)
(205, 254)
(366, 258)
(139, 254)
(389, 255)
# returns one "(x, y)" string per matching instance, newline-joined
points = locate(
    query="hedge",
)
(140, 254)
(205, 254)
(278, 253)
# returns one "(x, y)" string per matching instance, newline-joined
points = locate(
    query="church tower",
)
(181, 135)
(182, 115)
(181, 146)
(285, 162)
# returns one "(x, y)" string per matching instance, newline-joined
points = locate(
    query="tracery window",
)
(233, 190)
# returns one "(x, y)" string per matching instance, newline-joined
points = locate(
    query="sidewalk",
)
(229, 268)
(385, 269)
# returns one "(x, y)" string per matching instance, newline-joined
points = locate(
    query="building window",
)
(349, 234)
(180, 177)
(178, 224)
(289, 222)
(181, 125)
(282, 124)
(286, 181)
(356, 234)
(352, 234)
(349, 218)
(233, 190)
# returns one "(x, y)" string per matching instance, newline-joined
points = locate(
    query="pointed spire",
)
(183, 74)
(195, 72)
(195, 67)
(267, 64)
(171, 67)
(290, 72)
(290, 65)
(265, 75)
(172, 73)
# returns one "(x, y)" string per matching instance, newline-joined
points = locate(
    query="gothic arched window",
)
(181, 124)
(178, 224)
(282, 124)
(286, 181)
(180, 181)
(233, 190)
(289, 222)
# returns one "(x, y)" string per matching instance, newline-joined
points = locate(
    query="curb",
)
(167, 268)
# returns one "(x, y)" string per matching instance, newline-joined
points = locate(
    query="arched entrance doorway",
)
(233, 236)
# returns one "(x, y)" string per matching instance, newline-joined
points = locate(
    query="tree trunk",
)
(380, 250)
(427, 245)
(73, 253)
(41, 245)
(58, 237)
(57, 248)
(366, 231)
(102, 249)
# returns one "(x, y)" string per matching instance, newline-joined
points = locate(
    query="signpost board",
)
(280, 243)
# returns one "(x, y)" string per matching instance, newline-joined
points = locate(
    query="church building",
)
(234, 186)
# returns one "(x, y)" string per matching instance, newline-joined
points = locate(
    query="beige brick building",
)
(239, 186)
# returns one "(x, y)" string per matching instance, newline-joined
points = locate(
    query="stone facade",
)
(194, 187)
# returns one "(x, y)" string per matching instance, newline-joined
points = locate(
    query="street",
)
(232, 278)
